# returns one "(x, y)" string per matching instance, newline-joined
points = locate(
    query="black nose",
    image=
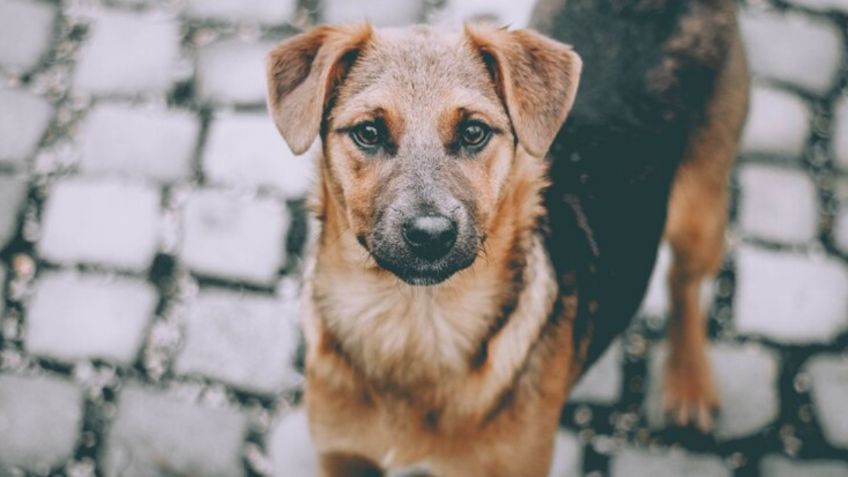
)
(430, 236)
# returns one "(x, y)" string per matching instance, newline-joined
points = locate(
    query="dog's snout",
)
(430, 236)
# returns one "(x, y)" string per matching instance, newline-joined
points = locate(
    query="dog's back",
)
(650, 75)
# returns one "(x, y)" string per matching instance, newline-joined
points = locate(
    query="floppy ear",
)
(536, 78)
(303, 72)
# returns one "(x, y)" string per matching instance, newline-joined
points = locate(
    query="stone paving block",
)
(75, 316)
(24, 118)
(247, 341)
(829, 387)
(602, 382)
(381, 13)
(777, 204)
(246, 150)
(26, 30)
(778, 123)
(514, 13)
(789, 298)
(796, 49)
(154, 434)
(267, 12)
(107, 223)
(149, 143)
(568, 456)
(840, 227)
(13, 193)
(232, 71)
(840, 134)
(128, 53)
(745, 378)
(823, 5)
(779, 466)
(290, 446)
(40, 420)
(642, 463)
(230, 238)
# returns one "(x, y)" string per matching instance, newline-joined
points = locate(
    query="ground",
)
(151, 233)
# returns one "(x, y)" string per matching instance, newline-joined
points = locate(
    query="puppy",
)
(464, 276)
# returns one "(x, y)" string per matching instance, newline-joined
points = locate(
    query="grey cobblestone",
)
(777, 204)
(745, 378)
(26, 29)
(602, 382)
(829, 388)
(128, 54)
(232, 71)
(778, 123)
(381, 13)
(568, 458)
(249, 11)
(40, 419)
(638, 463)
(823, 5)
(840, 228)
(229, 238)
(455, 12)
(289, 446)
(794, 49)
(154, 434)
(245, 150)
(778, 466)
(788, 298)
(111, 223)
(13, 191)
(246, 341)
(157, 144)
(840, 134)
(82, 316)
(23, 120)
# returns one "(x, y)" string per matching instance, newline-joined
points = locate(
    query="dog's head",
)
(420, 130)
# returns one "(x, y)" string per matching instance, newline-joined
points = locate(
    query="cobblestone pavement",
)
(151, 224)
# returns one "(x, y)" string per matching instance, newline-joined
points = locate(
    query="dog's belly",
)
(649, 71)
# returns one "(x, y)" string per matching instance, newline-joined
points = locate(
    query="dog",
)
(477, 250)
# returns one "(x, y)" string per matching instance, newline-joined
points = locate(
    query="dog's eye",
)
(367, 135)
(474, 135)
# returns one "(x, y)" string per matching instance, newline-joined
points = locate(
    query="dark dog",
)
(463, 276)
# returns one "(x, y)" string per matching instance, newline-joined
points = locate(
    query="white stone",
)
(230, 238)
(788, 297)
(777, 204)
(246, 150)
(76, 316)
(779, 466)
(247, 341)
(232, 71)
(267, 12)
(778, 124)
(26, 29)
(13, 193)
(40, 419)
(676, 463)
(155, 144)
(601, 384)
(381, 13)
(795, 49)
(24, 118)
(829, 388)
(290, 446)
(655, 303)
(128, 53)
(514, 13)
(568, 456)
(823, 5)
(840, 227)
(840, 134)
(108, 223)
(745, 379)
(154, 434)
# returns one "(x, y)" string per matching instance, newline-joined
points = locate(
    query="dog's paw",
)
(689, 399)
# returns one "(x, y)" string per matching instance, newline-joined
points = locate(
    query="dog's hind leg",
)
(695, 230)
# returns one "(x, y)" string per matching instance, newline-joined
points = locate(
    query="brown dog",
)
(447, 306)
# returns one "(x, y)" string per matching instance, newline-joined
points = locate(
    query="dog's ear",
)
(303, 72)
(535, 76)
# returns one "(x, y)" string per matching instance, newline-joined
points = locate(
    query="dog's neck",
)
(409, 337)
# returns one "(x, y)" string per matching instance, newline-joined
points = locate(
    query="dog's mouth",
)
(423, 274)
